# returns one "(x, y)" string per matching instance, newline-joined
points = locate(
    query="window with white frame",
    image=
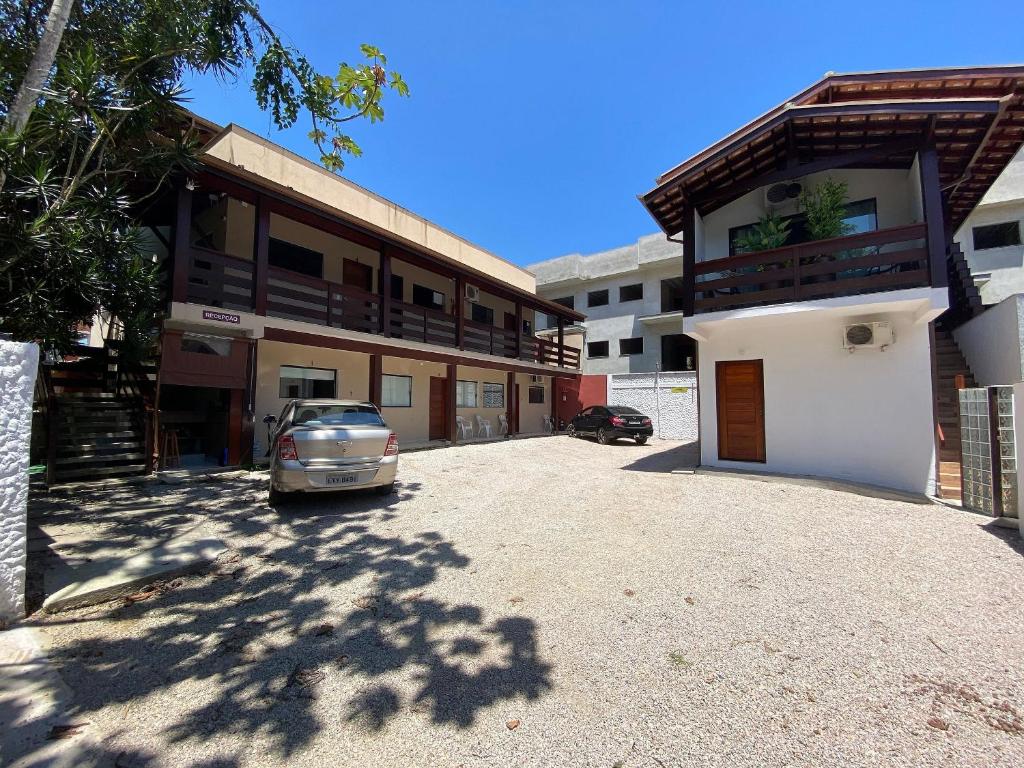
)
(396, 391)
(299, 382)
(494, 395)
(465, 394)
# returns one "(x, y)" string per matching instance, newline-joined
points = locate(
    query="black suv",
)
(608, 422)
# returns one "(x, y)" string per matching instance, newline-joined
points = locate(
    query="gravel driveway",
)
(553, 602)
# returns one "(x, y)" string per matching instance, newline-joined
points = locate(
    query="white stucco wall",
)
(671, 404)
(895, 193)
(18, 365)
(991, 342)
(864, 417)
(999, 270)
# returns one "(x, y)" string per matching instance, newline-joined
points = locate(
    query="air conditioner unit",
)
(472, 292)
(868, 336)
(779, 194)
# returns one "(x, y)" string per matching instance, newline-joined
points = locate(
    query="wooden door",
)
(510, 322)
(357, 275)
(739, 385)
(438, 407)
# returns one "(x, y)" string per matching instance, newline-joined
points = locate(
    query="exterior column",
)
(460, 312)
(385, 292)
(561, 342)
(519, 330)
(451, 432)
(235, 427)
(554, 404)
(182, 245)
(689, 258)
(376, 379)
(512, 402)
(249, 406)
(261, 255)
(935, 228)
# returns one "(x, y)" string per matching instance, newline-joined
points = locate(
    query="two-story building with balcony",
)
(834, 357)
(286, 281)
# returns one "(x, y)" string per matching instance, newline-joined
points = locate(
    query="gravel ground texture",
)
(553, 602)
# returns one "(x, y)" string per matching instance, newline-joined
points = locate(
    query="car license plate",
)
(342, 478)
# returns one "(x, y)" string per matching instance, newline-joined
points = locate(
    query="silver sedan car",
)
(328, 445)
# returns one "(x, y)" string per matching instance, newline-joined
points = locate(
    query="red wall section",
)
(573, 395)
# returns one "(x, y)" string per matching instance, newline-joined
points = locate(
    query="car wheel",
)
(385, 490)
(602, 436)
(640, 439)
(571, 430)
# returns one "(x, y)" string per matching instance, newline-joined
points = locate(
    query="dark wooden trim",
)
(511, 404)
(451, 430)
(358, 345)
(460, 311)
(261, 255)
(182, 260)
(689, 257)
(519, 330)
(845, 160)
(376, 388)
(931, 198)
(384, 278)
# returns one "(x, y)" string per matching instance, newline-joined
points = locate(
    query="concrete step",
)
(100, 472)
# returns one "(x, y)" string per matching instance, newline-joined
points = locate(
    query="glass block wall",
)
(1007, 450)
(976, 447)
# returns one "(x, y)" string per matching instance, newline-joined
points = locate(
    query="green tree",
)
(90, 100)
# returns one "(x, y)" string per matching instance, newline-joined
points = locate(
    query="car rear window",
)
(622, 410)
(337, 415)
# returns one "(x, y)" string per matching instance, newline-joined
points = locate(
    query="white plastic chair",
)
(465, 429)
(502, 424)
(549, 424)
(483, 426)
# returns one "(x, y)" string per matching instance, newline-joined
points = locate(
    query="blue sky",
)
(532, 126)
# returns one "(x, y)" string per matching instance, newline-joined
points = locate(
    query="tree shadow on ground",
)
(308, 597)
(682, 456)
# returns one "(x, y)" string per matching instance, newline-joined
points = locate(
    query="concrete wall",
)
(1018, 439)
(531, 415)
(864, 417)
(992, 343)
(412, 425)
(353, 378)
(480, 376)
(893, 191)
(670, 399)
(18, 366)
(1004, 267)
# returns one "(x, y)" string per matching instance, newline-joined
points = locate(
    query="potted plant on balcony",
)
(824, 208)
(770, 231)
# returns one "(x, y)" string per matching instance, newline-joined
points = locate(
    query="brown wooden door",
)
(438, 407)
(740, 392)
(510, 322)
(357, 275)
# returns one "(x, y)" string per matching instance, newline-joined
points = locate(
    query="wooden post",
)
(931, 198)
(519, 330)
(261, 255)
(385, 292)
(53, 429)
(511, 403)
(689, 258)
(376, 379)
(450, 402)
(561, 342)
(460, 312)
(181, 260)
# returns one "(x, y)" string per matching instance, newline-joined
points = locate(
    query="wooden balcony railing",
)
(414, 323)
(295, 296)
(219, 280)
(883, 260)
